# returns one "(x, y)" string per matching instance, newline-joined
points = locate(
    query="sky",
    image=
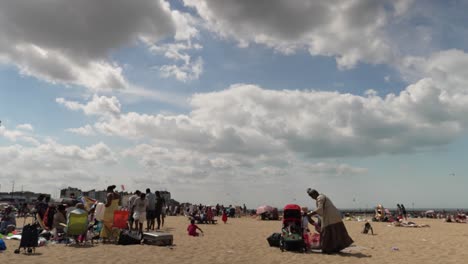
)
(238, 101)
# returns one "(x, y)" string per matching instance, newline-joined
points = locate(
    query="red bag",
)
(120, 219)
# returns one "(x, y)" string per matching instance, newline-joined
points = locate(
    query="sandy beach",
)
(243, 240)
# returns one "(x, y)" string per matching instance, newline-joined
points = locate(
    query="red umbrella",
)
(263, 209)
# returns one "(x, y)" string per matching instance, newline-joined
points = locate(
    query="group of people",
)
(384, 215)
(146, 206)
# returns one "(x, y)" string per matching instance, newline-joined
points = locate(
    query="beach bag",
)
(2, 245)
(274, 240)
(29, 238)
(127, 237)
(120, 219)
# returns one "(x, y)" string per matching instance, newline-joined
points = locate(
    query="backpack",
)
(274, 240)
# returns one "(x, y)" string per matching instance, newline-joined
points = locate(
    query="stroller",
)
(292, 238)
(29, 238)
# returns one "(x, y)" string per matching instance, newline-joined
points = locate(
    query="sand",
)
(243, 240)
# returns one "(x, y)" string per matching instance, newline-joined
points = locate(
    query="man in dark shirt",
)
(160, 205)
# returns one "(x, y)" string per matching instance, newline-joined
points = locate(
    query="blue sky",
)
(238, 101)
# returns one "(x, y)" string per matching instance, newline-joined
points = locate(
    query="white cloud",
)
(175, 165)
(26, 127)
(179, 51)
(69, 42)
(22, 133)
(99, 105)
(352, 31)
(186, 72)
(50, 164)
(253, 121)
(84, 131)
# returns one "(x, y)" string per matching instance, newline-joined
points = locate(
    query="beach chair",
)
(77, 226)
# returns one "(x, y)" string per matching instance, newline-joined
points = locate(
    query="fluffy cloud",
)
(51, 164)
(69, 42)
(177, 165)
(99, 105)
(352, 31)
(186, 72)
(254, 121)
(21, 133)
(84, 131)
(185, 68)
(26, 127)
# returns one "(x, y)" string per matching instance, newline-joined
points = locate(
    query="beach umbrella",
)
(430, 212)
(263, 209)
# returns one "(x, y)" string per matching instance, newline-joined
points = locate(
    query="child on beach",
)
(224, 216)
(192, 229)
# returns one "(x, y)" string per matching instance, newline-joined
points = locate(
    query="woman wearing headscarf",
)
(112, 204)
(333, 236)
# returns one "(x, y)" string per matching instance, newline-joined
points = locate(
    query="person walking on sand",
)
(224, 216)
(334, 236)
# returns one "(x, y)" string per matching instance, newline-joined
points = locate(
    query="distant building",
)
(19, 197)
(65, 193)
(96, 195)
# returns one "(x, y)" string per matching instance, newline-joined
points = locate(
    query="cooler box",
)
(158, 238)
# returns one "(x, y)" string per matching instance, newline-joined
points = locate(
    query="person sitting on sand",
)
(192, 229)
(380, 213)
(59, 221)
(8, 219)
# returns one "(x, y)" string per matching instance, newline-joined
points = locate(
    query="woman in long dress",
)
(112, 204)
(333, 236)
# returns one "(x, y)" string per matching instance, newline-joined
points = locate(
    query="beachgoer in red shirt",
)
(192, 229)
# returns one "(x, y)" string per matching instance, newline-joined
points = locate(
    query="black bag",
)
(29, 238)
(274, 240)
(127, 237)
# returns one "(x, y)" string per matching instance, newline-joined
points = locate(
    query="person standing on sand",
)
(403, 210)
(150, 212)
(139, 211)
(224, 216)
(112, 204)
(334, 236)
(130, 203)
(160, 205)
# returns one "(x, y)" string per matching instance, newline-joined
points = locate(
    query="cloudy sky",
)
(238, 101)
